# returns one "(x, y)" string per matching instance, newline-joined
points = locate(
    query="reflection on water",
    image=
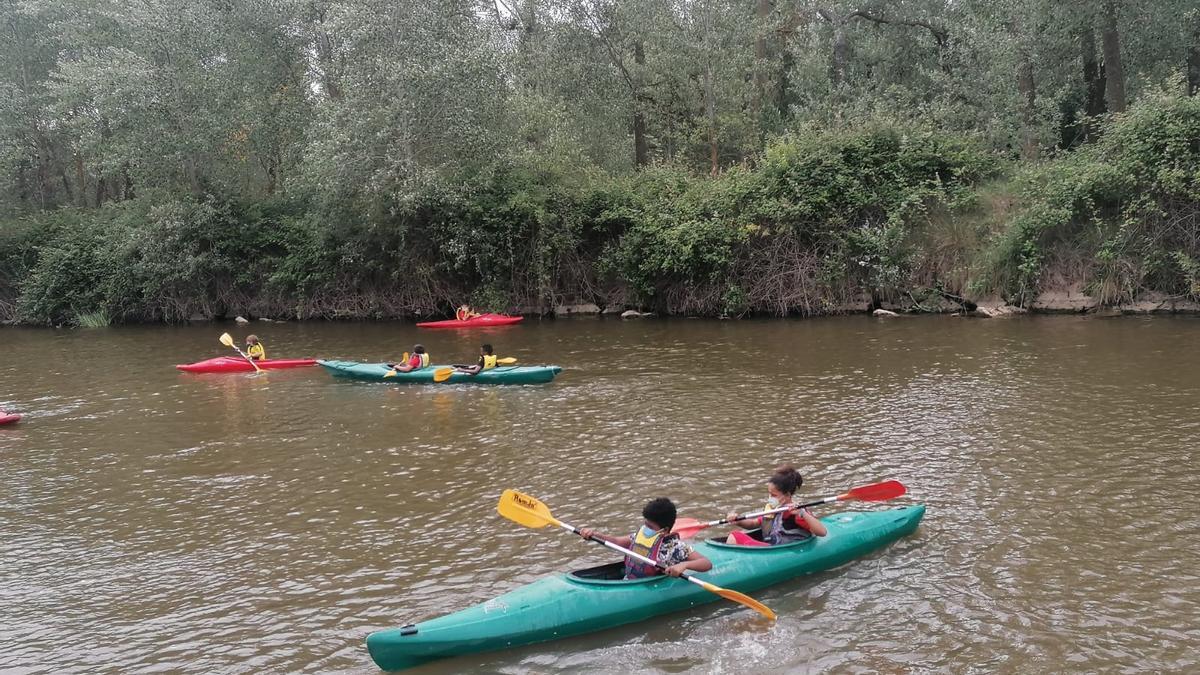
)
(240, 523)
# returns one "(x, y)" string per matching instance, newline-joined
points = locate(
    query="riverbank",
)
(828, 221)
(1064, 301)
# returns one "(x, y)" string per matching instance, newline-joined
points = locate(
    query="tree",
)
(1114, 69)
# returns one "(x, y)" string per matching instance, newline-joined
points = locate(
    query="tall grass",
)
(98, 319)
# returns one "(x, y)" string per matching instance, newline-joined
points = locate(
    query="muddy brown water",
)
(152, 520)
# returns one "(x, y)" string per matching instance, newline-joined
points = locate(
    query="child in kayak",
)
(254, 348)
(465, 312)
(655, 541)
(779, 528)
(418, 360)
(487, 361)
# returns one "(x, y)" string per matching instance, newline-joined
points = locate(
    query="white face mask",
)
(773, 502)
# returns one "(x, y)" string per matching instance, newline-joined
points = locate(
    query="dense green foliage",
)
(1121, 215)
(166, 159)
(663, 238)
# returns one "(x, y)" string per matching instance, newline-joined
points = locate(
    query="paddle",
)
(392, 372)
(687, 528)
(528, 511)
(443, 374)
(227, 340)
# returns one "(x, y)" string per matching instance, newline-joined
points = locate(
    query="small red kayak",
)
(474, 322)
(8, 419)
(235, 364)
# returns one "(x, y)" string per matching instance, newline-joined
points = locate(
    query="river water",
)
(152, 520)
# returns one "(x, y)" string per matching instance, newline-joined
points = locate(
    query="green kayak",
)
(563, 605)
(500, 375)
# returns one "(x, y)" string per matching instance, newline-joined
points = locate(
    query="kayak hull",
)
(375, 372)
(480, 321)
(236, 364)
(9, 419)
(563, 605)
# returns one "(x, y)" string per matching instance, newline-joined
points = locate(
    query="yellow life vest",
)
(489, 361)
(257, 352)
(647, 546)
(424, 360)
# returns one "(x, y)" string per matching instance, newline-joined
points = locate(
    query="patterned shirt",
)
(673, 551)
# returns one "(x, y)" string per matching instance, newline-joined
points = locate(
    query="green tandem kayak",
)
(375, 372)
(564, 605)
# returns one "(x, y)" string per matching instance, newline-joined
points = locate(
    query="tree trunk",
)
(127, 183)
(1028, 91)
(841, 56)
(21, 185)
(1093, 80)
(782, 84)
(47, 147)
(1193, 65)
(710, 106)
(641, 151)
(669, 144)
(193, 175)
(762, 11)
(1114, 71)
(531, 28)
(326, 57)
(40, 178)
(80, 181)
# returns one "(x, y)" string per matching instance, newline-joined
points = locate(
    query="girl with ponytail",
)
(784, 527)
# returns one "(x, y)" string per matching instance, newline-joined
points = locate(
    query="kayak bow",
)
(564, 605)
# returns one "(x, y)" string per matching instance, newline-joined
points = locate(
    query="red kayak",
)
(236, 364)
(474, 322)
(8, 419)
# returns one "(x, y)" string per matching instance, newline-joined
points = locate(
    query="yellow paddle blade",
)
(227, 339)
(739, 598)
(442, 374)
(508, 360)
(524, 510)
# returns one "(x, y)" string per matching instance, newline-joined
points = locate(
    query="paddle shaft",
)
(756, 514)
(247, 357)
(244, 356)
(638, 556)
(506, 361)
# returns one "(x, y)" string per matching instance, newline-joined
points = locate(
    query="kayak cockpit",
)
(757, 536)
(606, 575)
(606, 572)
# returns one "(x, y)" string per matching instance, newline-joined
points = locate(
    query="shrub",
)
(1129, 203)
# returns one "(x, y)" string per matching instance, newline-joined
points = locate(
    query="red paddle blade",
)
(687, 528)
(876, 492)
